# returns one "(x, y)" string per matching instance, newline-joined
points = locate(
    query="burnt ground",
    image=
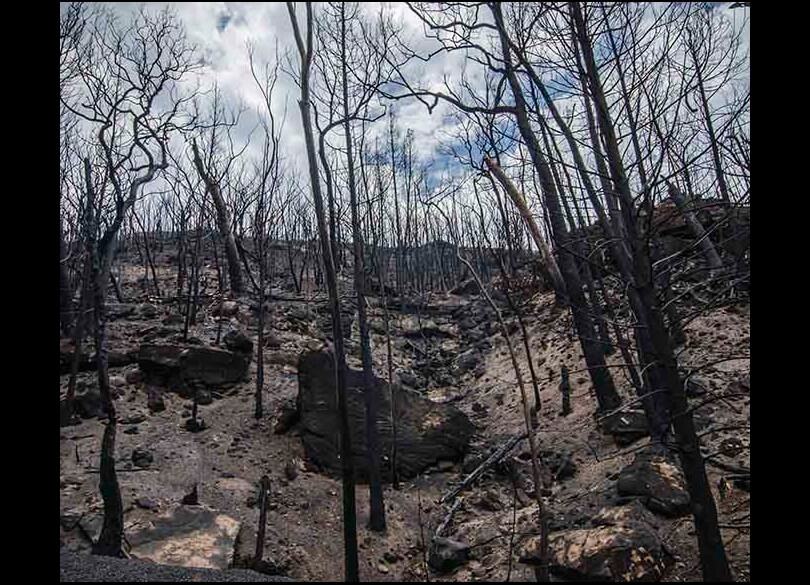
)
(304, 530)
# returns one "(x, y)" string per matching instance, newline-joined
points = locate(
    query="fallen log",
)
(499, 454)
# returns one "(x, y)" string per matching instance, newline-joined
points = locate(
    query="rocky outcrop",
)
(179, 366)
(622, 546)
(426, 431)
(658, 482)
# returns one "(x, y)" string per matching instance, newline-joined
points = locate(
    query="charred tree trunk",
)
(349, 513)
(377, 507)
(223, 223)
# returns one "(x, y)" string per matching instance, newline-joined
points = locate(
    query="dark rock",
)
(175, 365)
(195, 425)
(88, 404)
(192, 498)
(286, 418)
(658, 481)
(291, 470)
(390, 557)
(146, 503)
(154, 400)
(426, 431)
(626, 426)
(147, 311)
(131, 431)
(468, 287)
(133, 376)
(133, 419)
(561, 464)
(446, 554)
(204, 396)
(466, 362)
(471, 462)
(236, 340)
(173, 319)
(622, 552)
(490, 500)
(408, 379)
(225, 309)
(282, 358)
(141, 457)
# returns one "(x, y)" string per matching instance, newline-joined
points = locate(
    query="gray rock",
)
(466, 362)
(445, 554)
(142, 458)
(426, 431)
(621, 552)
(658, 482)
(236, 340)
(626, 426)
(174, 365)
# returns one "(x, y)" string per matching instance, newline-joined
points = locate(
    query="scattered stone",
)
(147, 503)
(658, 481)
(445, 554)
(626, 426)
(131, 431)
(195, 425)
(382, 568)
(427, 432)
(236, 340)
(192, 498)
(291, 470)
(390, 557)
(133, 419)
(466, 362)
(287, 416)
(142, 458)
(154, 400)
(133, 377)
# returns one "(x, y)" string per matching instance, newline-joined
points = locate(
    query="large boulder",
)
(658, 481)
(426, 431)
(624, 552)
(177, 365)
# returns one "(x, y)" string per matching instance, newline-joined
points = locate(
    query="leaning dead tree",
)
(212, 175)
(122, 72)
(649, 98)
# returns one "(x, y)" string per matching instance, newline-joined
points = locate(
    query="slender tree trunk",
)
(110, 541)
(592, 348)
(349, 513)
(661, 357)
(223, 223)
(377, 507)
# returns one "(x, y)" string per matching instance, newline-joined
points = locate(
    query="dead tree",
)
(124, 91)
(305, 52)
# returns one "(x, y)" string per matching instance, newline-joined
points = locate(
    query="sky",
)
(222, 31)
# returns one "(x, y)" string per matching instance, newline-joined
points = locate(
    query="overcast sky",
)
(221, 31)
